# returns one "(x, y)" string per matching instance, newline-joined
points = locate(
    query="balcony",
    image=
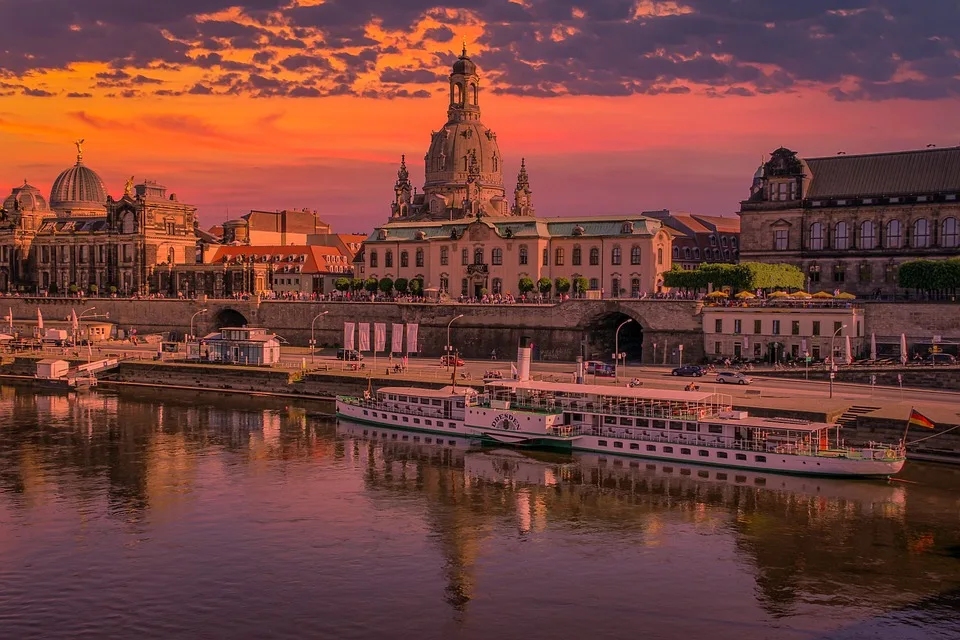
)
(477, 269)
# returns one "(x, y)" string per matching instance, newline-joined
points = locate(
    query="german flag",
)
(917, 419)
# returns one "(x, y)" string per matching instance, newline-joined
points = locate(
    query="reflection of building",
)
(775, 333)
(85, 240)
(849, 221)
(462, 236)
(701, 239)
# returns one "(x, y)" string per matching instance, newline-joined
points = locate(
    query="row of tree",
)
(746, 276)
(934, 277)
(386, 285)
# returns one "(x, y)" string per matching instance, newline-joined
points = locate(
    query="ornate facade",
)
(848, 221)
(85, 241)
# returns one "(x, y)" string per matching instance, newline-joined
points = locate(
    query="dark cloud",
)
(411, 76)
(77, 94)
(38, 93)
(439, 34)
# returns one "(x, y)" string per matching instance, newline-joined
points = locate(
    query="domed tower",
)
(464, 168)
(78, 191)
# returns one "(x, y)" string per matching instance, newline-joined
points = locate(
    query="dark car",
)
(689, 370)
(941, 358)
(343, 354)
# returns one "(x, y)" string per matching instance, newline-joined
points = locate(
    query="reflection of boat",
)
(681, 426)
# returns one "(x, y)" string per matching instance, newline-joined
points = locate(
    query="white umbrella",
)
(903, 348)
(847, 352)
(10, 318)
(873, 346)
(39, 320)
(74, 322)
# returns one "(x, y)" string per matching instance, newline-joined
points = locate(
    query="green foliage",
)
(580, 285)
(416, 286)
(370, 284)
(94, 289)
(73, 288)
(401, 285)
(562, 285)
(744, 276)
(386, 285)
(525, 285)
(342, 284)
(112, 289)
(544, 285)
(357, 284)
(931, 276)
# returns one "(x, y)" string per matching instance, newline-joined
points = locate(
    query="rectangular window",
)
(634, 445)
(738, 326)
(546, 257)
(718, 325)
(444, 256)
(429, 423)
(758, 326)
(651, 447)
(667, 450)
(703, 453)
(780, 239)
(741, 456)
(601, 443)
(609, 420)
(795, 328)
(685, 452)
(691, 426)
(676, 426)
(837, 326)
(816, 327)
(816, 352)
(617, 445)
(558, 257)
(760, 458)
(717, 348)
(776, 327)
(464, 257)
(626, 422)
(715, 428)
(722, 455)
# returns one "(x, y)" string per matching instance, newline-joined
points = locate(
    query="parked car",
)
(733, 377)
(601, 369)
(353, 354)
(450, 360)
(689, 370)
(941, 358)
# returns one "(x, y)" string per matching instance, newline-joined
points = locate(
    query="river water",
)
(152, 515)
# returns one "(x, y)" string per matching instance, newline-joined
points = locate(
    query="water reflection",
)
(251, 496)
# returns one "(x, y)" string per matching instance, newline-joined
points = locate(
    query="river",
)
(160, 515)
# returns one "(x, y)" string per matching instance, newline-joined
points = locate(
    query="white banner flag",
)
(364, 328)
(412, 337)
(348, 334)
(803, 345)
(397, 339)
(379, 337)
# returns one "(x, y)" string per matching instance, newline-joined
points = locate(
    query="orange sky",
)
(586, 154)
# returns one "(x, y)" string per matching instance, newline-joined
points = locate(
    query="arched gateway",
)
(601, 334)
(230, 318)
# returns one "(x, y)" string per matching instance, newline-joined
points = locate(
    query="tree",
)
(370, 284)
(525, 285)
(386, 285)
(401, 285)
(580, 285)
(416, 286)
(112, 289)
(743, 276)
(544, 285)
(94, 289)
(73, 288)
(937, 278)
(562, 285)
(358, 284)
(342, 284)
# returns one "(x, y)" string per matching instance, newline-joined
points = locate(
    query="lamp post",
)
(616, 348)
(194, 316)
(449, 349)
(313, 342)
(833, 357)
(80, 318)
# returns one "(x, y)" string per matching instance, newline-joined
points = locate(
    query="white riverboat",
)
(681, 426)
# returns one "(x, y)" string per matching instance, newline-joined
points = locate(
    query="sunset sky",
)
(618, 106)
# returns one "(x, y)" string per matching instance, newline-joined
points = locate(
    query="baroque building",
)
(85, 241)
(461, 236)
(849, 221)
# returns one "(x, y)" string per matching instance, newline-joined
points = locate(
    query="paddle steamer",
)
(682, 426)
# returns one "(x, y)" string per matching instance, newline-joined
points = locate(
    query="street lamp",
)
(313, 342)
(80, 319)
(616, 348)
(449, 349)
(833, 357)
(194, 316)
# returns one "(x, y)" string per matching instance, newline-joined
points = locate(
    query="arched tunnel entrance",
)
(601, 338)
(231, 318)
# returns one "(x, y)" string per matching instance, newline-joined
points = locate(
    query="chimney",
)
(523, 359)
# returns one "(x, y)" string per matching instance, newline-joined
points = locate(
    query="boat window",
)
(602, 443)
(618, 445)
(659, 424)
(634, 445)
(667, 450)
(703, 452)
(691, 426)
(740, 478)
(460, 404)
(684, 472)
(416, 438)
(760, 481)
(394, 418)
(402, 398)
(626, 422)
(424, 400)
(436, 403)
(676, 426)
(667, 469)
(428, 422)
(365, 412)
(651, 447)
(405, 437)
(722, 454)
(428, 440)
(715, 428)
(685, 452)
(416, 421)
(406, 419)
(609, 420)
(577, 417)
(760, 458)
(741, 456)
(721, 476)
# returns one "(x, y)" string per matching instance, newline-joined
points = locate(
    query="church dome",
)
(25, 198)
(464, 65)
(453, 148)
(78, 188)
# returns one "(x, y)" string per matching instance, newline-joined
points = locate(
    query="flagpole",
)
(904, 441)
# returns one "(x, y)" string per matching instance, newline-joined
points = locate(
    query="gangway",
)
(100, 365)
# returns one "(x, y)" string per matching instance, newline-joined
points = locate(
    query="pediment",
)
(782, 223)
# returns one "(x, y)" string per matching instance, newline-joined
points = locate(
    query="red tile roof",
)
(314, 259)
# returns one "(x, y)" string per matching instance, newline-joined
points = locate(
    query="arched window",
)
(868, 235)
(686, 253)
(458, 94)
(713, 240)
(388, 259)
(816, 236)
(496, 256)
(659, 255)
(445, 283)
(404, 259)
(523, 254)
(558, 256)
(634, 255)
(676, 253)
(635, 287)
(478, 255)
(841, 236)
(497, 286)
(696, 253)
(419, 257)
(546, 256)
(921, 234)
(577, 255)
(615, 256)
(594, 257)
(949, 233)
(733, 243)
(723, 241)
(894, 234)
(444, 256)
(373, 259)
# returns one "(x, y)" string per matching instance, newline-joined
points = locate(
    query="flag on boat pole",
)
(513, 371)
(917, 419)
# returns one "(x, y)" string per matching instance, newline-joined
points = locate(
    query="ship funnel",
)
(523, 359)
(579, 369)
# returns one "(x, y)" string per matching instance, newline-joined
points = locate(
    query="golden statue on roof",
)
(79, 144)
(128, 187)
